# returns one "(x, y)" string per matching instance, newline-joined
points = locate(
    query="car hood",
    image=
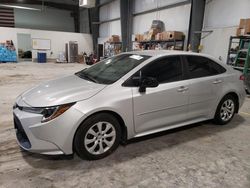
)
(61, 91)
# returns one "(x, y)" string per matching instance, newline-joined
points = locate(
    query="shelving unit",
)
(165, 44)
(239, 56)
(234, 47)
(112, 48)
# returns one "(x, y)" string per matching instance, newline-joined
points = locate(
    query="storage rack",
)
(112, 48)
(234, 41)
(178, 44)
(239, 56)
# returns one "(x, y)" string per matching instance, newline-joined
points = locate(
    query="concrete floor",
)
(200, 155)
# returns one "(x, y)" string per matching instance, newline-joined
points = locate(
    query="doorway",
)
(24, 47)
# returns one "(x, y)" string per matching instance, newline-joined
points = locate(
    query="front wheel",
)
(225, 110)
(97, 137)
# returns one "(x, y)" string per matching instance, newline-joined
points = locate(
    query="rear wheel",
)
(97, 137)
(225, 110)
(248, 91)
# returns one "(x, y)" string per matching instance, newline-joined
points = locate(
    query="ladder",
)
(242, 60)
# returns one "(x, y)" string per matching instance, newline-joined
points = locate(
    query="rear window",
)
(201, 67)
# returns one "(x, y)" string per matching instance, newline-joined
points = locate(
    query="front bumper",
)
(51, 138)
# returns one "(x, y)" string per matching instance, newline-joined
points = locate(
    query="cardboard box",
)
(114, 38)
(164, 35)
(138, 37)
(150, 35)
(244, 23)
(154, 31)
(175, 35)
(145, 37)
(240, 32)
(158, 36)
(244, 26)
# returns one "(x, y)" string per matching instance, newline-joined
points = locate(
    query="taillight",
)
(242, 77)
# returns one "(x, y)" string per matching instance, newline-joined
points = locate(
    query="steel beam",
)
(196, 23)
(94, 17)
(106, 21)
(126, 9)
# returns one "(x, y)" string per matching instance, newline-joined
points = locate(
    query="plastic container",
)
(41, 57)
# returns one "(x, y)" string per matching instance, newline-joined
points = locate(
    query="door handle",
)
(182, 89)
(217, 81)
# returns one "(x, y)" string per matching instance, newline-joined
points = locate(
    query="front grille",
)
(20, 134)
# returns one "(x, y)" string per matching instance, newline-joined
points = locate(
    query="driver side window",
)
(165, 70)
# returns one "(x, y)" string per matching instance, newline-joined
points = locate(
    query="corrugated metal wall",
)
(107, 12)
(176, 18)
(222, 17)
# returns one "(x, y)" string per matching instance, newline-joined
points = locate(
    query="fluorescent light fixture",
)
(87, 3)
(19, 7)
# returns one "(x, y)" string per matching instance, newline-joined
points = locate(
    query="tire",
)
(97, 137)
(225, 110)
(248, 92)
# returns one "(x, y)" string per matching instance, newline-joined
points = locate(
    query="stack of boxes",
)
(113, 46)
(169, 35)
(153, 34)
(244, 27)
(7, 52)
(157, 33)
(114, 38)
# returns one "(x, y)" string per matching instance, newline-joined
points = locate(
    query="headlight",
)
(48, 113)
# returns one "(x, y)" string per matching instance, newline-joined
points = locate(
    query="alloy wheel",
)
(227, 110)
(100, 138)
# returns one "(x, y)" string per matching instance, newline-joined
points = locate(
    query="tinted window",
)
(202, 67)
(216, 68)
(165, 70)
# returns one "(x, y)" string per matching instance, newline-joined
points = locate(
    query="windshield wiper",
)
(86, 76)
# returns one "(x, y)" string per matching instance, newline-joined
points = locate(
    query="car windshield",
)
(110, 70)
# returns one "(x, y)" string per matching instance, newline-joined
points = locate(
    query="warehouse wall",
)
(223, 17)
(58, 39)
(107, 12)
(84, 21)
(176, 18)
(49, 19)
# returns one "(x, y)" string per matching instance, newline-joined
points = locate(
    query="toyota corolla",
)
(129, 95)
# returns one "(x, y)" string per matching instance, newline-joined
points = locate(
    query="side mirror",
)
(147, 82)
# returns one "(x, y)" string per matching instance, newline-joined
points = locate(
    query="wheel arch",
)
(116, 115)
(236, 97)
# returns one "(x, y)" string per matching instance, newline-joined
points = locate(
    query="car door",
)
(204, 86)
(163, 105)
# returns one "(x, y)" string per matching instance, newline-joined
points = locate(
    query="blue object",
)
(7, 55)
(41, 57)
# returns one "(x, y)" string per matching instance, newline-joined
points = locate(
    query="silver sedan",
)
(129, 95)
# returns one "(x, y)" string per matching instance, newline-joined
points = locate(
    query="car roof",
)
(159, 53)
